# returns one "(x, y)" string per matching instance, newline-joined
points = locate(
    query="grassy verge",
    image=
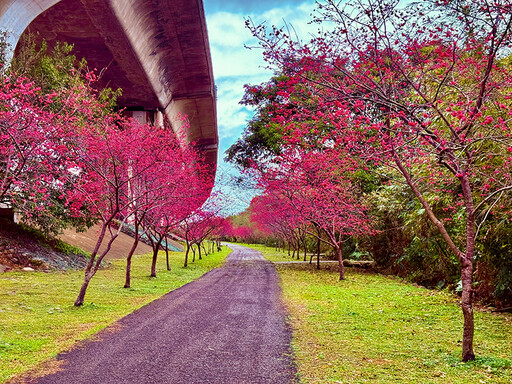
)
(373, 328)
(38, 319)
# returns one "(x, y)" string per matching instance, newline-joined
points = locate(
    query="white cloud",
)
(228, 37)
(234, 65)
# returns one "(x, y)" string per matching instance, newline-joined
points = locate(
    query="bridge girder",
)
(157, 51)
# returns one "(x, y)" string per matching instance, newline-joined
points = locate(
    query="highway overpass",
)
(157, 51)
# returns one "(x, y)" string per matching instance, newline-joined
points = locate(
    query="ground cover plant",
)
(38, 320)
(379, 329)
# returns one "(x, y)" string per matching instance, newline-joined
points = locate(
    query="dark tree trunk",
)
(167, 255)
(156, 248)
(193, 253)
(127, 279)
(467, 310)
(340, 262)
(186, 255)
(318, 253)
(468, 353)
(127, 282)
(81, 295)
(88, 269)
(94, 264)
(153, 262)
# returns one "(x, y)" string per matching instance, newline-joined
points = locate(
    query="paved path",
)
(227, 327)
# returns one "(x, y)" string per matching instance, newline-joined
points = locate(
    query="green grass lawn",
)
(38, 319)
(373, 328)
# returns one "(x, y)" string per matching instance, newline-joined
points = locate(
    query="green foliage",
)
(372, 328)
(56, 68)
(51, 69)
(494, 263)
(52, 224)
(38, 319)
(259, 141)
(409, 246)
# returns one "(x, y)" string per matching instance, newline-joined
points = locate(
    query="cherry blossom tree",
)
(200, 224)
(37, 134)
(158, 190)
(114, 165)
(315, 188)
(422, 89)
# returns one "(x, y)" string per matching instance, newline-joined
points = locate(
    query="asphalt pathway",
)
(227, 327)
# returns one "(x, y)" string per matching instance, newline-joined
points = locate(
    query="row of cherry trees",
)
(416, 92)
(67, 158)
(311, 193)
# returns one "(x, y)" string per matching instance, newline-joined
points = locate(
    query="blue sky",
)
(234, 65)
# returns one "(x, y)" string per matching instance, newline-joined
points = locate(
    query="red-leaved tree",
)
(315, 188)
(422, 89)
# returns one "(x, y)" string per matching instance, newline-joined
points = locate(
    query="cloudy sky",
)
(234, 65)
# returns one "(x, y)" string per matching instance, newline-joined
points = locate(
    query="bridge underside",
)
(157, 51)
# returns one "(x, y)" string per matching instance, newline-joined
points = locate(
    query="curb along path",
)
(227, 327)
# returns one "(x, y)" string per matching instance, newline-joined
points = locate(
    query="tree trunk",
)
(468, 353)
(318, 253)
(467, 310)
(83, 289)
(167, 255)
(153, 262)
(129, 260)
(94, 264)
(340, 262)
(87, 275)
(193, 253)
(199, 251)
(186, 255)
(127, 280)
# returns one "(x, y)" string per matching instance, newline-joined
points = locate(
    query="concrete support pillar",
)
(144, 116)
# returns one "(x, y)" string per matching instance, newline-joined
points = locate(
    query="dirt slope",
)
(87, 241)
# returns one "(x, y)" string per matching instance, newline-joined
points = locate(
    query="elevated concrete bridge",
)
(157, 51)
